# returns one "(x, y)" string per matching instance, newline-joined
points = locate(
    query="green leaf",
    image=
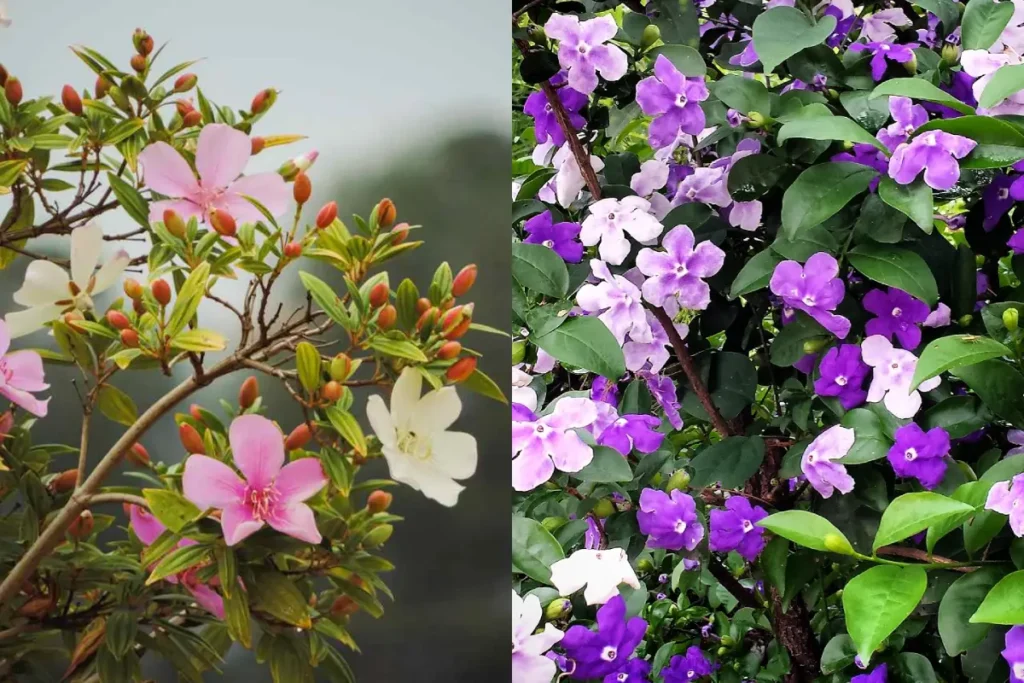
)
(131, 201)
(347, 425)
(809, 530)
(958, 415)
(10, 170)
(742, 94)
(912, 513)
(920, 89)
(586, 343)
(1006, 81)
(534, 549)
(828, 128)
(170, 507)
(877, 601)
(123, 131)
(946, 10)
(870, 442)
(685, 58)
(1004, 603)
(999, 385)
(275, 594)
(752, 176)
(539, 269)
(677, 20)
(781, 32)
(117, 405)
(190, 294)
(178, 561)
(199, 340)
(732, 380)
(482, 384)
(992, 317)
(982, 23)
(608, 466)
(399, 348)
(731, 462)
(788, 346)
(326, 299)
(838, 654)
(809, 242)
(960, 601)
(122, 626)
(914, 200)
(756, 272)
(896, 268)
(946, 353)
(821, 191)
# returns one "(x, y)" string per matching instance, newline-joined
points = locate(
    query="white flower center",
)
(808, 300)
(621, 422)
(895, 365)
(1018, 669)
(1004, 193)
(548, 243)
(609, 653)
(841, 381)
(885, 47)
(582, 49)
(811, 457)
(681, 101)
(681, 269)
(910, 454)
(611, 216)
(897, 312)
(680, 526)
(419, 446)
(691, 673)
(747, 526)
(622, 678)
(548, 108)
(261, 501)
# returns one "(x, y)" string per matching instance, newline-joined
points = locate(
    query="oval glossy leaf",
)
(982, 23)
(756, 273)
(608, 466)
(821, 191)
(781, 32)
(1004, 604)
(915, 201)
(870, 442)
(946, 353)
(829, 128)
(920, 89)
(999, 385)
(1006, 81)
(896, 268)
(742, 94)
(912, 513)
(960, 601)
(729, 462)
(878, 601)
(587, 343)
(809, 530)
(539, 269)
(534, 549)
(683, 57)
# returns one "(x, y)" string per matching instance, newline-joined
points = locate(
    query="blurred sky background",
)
(404, 99)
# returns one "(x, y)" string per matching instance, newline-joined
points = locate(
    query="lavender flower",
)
(734, 528)
(611, 219)
(680, 270)
(563, 238)
(636, 670)
(594, 534)
(878, 675)
(669, 520)
(583, 52)
(983, 65)
(687, 668)
(540, 445)
(1014, 653)
(529, 665)
(674, 100)
(842, 375)
(899, 315)
(1016, 437)
(545, 123)
(568, 182)
(935, 153)
(817, 463)
(1007, 497)
(597, 654)
(605, 390)
(663, 389)
(1016, 242)
(908, 117)
(893, 373)
(865, 155)
(813, 289)
(881, 52)
(653, 175)
(619, 303)
(920, 454)
(653, 354)
(630, 432)
(879, 27)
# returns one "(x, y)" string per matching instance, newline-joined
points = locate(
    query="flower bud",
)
(258, 144)
(651, 35)
(83, 526)
(193, 118)
(185, 82)
(38, 607)
(190, 439)
(344, 606)
(138, 306)
(340, 368)
(422, 305)
(331, 391)
(384, 213)
(559, 608)
(13, 91)
(1011, 319)
(102, 87)
(378, 536)
(950, 53)
(378, 501)
(302, 188)
(138, 455)
(248, 393)
(118, 320)
(679, 480)
(604, 508)
(293, 250)
(263, 101)
(196, 412)
(379, 294)
(119, 98)
(645, 565)
(293, 167)
(139, 63)
(327, 214)
(132, 289)
(223, 222)
(387, 317)
(183, 107)
(63, 482)
(130, 339)
(71, 100)
(815, 344)
(464, 280)
(449, 350)
(3, 76)
(838, 544)
(400, 233)
(756, 120)
(142, 41)
(299, 437)
(911, 66)
(965, 320)
(461, 370)
(175, 224)
(428, 319)
(161, 291)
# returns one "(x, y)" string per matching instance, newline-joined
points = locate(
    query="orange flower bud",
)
(71, 320)
(130, 338)
(331, 391)
(193, 118)
(190, 439)
(400, 232)
(449, 350)
(39, 607)
(183, 107)
(118, 319)
(248, 394)
(258, 144)
(328, 212)
(138, 306)
(263, 100)
(464, 280)
(344, 606)
(461, 370)
(63, 482)
(428, 318)
(138, 455)
(175, 224)
(185, 82)
(385, 213)
(302, 188)
(378, 501)
(139, 63)
(194, 411)
(101, 87)
(379, 295)
(422, 305)
(452, 318)
(293, 250)
(71, 100)
(3, 76)
(161, 291)
(132, 288)
(82, 527)
(387, 317)
(299, 437)
(223, 222)
(142, 41)
(459, 330)
(13, 91)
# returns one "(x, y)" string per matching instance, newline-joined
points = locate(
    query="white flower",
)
(529, 665)
(420, 451)
(600, 570)
(893, 374)
(611, 219)
(48, 291)
(567, 184)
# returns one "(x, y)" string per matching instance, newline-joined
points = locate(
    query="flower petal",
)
(433, 483)
(257, 448)
(86, 248)
(208, 599)
(5, 344)
(221, 155)
(25, 400)
(380, 420)
(436, 411)
(45, 282)
(405, 396)
(110, 272)
(299, 480)
(20, 323)
(185, 208)
(209, 483)
(26, 368)
(455, 454)
(165, 171)
(296, 520)
(269, 189)
(238, 522)
(145, 525)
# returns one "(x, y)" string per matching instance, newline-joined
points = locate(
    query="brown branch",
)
(923, 556)
(743, 595)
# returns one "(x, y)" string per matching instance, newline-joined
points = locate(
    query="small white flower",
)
(48, 291)
(421, 453)
(529, 665)
(600, 570)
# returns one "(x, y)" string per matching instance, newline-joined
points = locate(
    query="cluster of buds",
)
(441, 325)
(190, 116)
(158, 289)
(143, 43)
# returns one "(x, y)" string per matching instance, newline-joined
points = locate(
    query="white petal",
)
(45, 283)
(436, 411)
(405, 396)
(109, 274)
(380, 421)
(86, 247)
(433, 483)
(455, 454)
(20, 323)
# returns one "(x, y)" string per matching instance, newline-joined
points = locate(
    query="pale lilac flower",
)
(655, 353)
(898, 314)
(817, 463)
(1014, 653)
(1007, 498)
(706, 184)
(920, 454)
(618, 303)
(680, 270)
(734, 528)
(545, 362)
(593, 537)
(674, 100)
(842, 374)
(568, 182)
(930, 35)
(982, 65)
(734, 118)
(653, 175)
(880, 26)
(582, 50)
(663, 389)
(563, 238)
(813, 288)
(545, 123)
(936, 153)
(605, 652)
(271, 492)
(1016, 437)
(688, 668)
(541, 445)
(529, 665)
(893, 373)
(939, 317)
(601, 571)
(878, 675)
(611, 219)
(521, 391)
(21, 375)
(632, 432)
(1012, 37)
(907, 118)
(882, 51)
(669, 520)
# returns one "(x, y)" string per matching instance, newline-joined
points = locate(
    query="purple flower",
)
(877, 676)
(669, 521)
(813, 289)
(930, 36)
(594, 533)
(674, 100)
(844, 24)
(583, 52)
(1014, 653)
(920, 454)
(545, 123)
(597, 654)
(630, 432)
(898, 314)
(611, 219)
(893, 373)
(563, 238)
(960, 86)
(842, 374)
(636, 670)
(879, 26)
(663, 389)
(865, 155)
(679, 271)
(935, 153)
(1016, 242)
(806, 363)
(538, 446)
(747, 57)
(997, 200)
(687, 668)
(653, 175)
(733, 528)
(653, 354)
(817, 463)
(1016, 437)
(705, 184)
(885, 51)
(619, 303)
(605, 390)
(908, 117)
(1007, 497)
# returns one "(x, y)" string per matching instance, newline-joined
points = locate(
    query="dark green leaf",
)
(821, 191)
(896, 268)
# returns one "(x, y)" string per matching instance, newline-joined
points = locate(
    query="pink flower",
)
(21, 373)
(221, 154)
(269, 494)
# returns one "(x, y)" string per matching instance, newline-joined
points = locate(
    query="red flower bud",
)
(299, 437)
(138, 455)
(185, 82)
(459, 330)
(258, 144)
(183, 106)
(293, 250)
(302, 188)
(161, 291)
(331, 391)
(63, 482)
(142, 41)
(428, 318)
(400, 232)
(193, 118)
(263, 100)
(452, 318)
(194, 411)
(387, 317)
(385, 213)
(248, 394)
(82, 527)
(190, 439)
(464, 280)
(13, 91)
(138, 306)
(344, 606)
(3, 76)
(174, 224)
(223, 222)
(328, 212)
(461, 370)
(118, 320)
(130, 338)
(139, 63)
(379, 295)
(422, 305)
(101, 87)
(71, 320)
(449, 350)
(133, 289)
(378, 501)
(71, 100)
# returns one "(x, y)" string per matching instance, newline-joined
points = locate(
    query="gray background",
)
(403, 99)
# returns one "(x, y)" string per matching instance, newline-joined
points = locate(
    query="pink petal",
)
(165, 171)
(26, 368)
(300, 480)
(238, 523)
(183, 207)
(297, 521)
(144, 524)
(258, 449)
(208, 599)
(210, 483)
(221, 155)
(269, 189)
(25, 400)
(5, 338)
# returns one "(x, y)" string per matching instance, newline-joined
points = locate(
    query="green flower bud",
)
(604, 508)
(815, 345)
(950, 53)
(965, 320)
(378, 536)
(645, 565)
(838, 544)
(722, 651)
(559, 608)
(911, 66)
(727, 640)
(518, 351)
(979, 260)
(652, 34)
(1011, 318)
(756, 120)
(307, 360)
(679, 480)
